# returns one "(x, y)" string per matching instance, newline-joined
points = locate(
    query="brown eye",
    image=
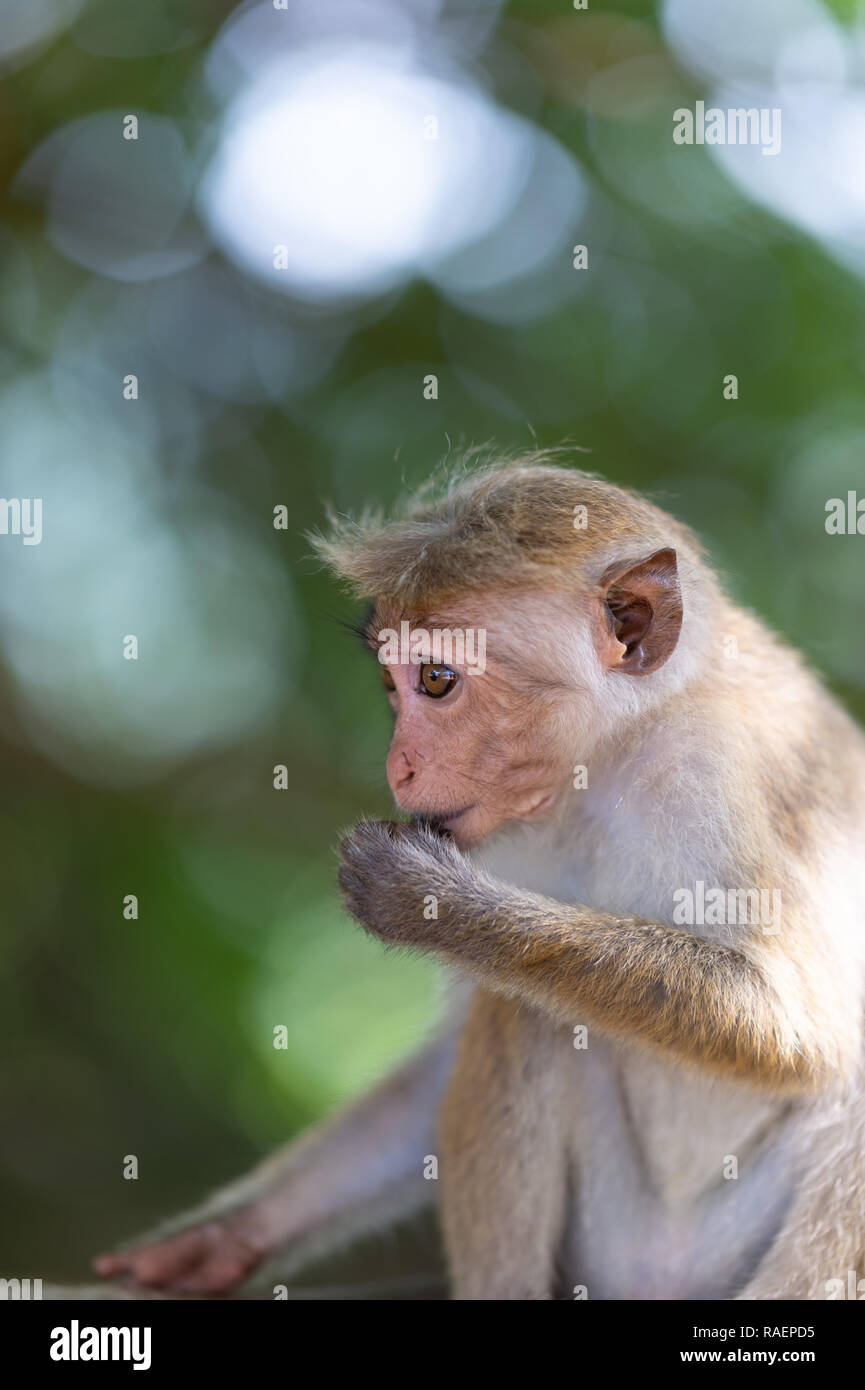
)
(387, 678)
(437, 680)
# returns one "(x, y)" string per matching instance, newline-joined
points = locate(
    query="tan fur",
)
(739, 772)
(501, 1189)
(502, 526)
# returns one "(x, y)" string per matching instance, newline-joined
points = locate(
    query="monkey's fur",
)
(709, 1142)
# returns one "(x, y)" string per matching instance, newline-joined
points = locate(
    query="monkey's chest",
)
(680, 1181)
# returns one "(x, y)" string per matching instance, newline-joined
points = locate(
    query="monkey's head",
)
(520, 617)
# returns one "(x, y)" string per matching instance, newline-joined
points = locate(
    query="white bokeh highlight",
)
(325, 155)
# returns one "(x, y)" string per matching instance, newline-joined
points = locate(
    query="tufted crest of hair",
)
(502, 524)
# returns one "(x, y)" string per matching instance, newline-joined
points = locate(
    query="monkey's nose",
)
(400, 772)
(402, 778)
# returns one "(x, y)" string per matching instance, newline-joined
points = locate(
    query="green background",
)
(154, 1036)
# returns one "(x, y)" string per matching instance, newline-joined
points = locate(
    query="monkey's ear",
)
(642, 614)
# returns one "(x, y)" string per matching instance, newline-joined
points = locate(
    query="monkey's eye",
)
(387, 679)
(437, 680)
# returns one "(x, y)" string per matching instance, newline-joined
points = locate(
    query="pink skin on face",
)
(436, 738)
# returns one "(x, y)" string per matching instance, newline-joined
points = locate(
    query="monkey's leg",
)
(502, 1170)
(360, 1170)
(822, 1240)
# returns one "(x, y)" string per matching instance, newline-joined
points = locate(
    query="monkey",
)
(648, 1084)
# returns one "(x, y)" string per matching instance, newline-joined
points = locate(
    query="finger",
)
(217, 1274)
(166, 1261)
(111, 1263)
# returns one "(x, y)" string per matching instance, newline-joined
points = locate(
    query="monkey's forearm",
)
(363, 1166)
(355, 1173)
(699, 1000)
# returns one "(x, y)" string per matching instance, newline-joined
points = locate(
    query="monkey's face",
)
(497, 701)
(478, 737)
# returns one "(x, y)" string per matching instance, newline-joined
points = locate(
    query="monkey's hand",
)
(212, 1258)
(395, 876)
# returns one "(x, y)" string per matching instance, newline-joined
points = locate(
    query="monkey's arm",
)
(744, 1011)
(359, 1171)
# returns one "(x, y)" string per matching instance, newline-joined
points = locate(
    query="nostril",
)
(403, 771)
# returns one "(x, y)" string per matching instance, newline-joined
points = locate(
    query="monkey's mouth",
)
(442, 821)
